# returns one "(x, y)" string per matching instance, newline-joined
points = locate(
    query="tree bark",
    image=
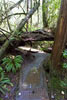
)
(31, 8)
(44, 13)
(18, 29)
(60, 36)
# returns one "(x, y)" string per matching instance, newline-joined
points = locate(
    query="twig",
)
(4, 30)
(13, 6)
(13, 15)
(4, 34)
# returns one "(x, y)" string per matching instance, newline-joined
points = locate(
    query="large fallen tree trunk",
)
(38, 35)
(18, 29)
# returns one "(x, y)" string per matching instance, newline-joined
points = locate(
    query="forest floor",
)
(11, 94)
(14, 79)
(55, 93)
(32, 85)
(56, 90)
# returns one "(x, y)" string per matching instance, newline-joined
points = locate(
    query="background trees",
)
(27, 22)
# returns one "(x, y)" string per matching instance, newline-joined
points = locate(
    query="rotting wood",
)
(38, 35)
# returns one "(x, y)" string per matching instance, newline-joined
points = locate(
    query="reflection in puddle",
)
(24, 85)
(33, 78)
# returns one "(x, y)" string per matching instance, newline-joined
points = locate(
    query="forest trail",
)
(32, 84)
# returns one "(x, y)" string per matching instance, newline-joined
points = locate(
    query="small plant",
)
(12, 63)
(64, 65)
(3, 81)
(55, 81)
(3, 85)
(64, 83)
(65, 56)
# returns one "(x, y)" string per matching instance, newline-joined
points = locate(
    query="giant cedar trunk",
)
(60, 36)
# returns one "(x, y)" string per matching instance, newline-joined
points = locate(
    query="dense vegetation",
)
(15, 24)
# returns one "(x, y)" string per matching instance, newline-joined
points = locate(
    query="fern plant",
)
(3, 85)
(1, 73)
(3, 81)
(12, 63)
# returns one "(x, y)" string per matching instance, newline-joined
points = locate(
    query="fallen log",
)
(18, 29)
(38, 35)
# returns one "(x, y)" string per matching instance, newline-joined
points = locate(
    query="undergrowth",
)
(57, 80)
(9, 64)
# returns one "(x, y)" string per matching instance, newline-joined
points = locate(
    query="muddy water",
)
(34, 76)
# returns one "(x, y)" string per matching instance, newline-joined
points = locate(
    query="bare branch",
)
(31, 12)
(4, 34)
(22, 8)
(14, 5)
(7, 17)
(4, 30)
(13, 15)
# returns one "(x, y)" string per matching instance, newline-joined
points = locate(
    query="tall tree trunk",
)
(61, 35)
(44, 13)
(31, 8)
(27, 12)
(38, 16)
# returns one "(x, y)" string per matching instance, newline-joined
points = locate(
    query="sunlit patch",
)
(19, 93)
(62, 92)
(34, 70)
(30, 86)
(12, 56)
(24, 85)
(29, 49)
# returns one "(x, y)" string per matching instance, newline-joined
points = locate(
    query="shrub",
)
(3, 81)
(65, 54)
(12, 63)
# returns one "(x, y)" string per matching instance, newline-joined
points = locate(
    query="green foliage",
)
(3, 81)
(3, 85)
(59, 84)
(45, 45)
(1, 73)
(52, 12)
(64, 83)
(65, 54)
(55, 81)
(12, 63)
(64, 65)
(32, 28)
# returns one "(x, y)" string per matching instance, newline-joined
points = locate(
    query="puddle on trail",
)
(33, 78)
